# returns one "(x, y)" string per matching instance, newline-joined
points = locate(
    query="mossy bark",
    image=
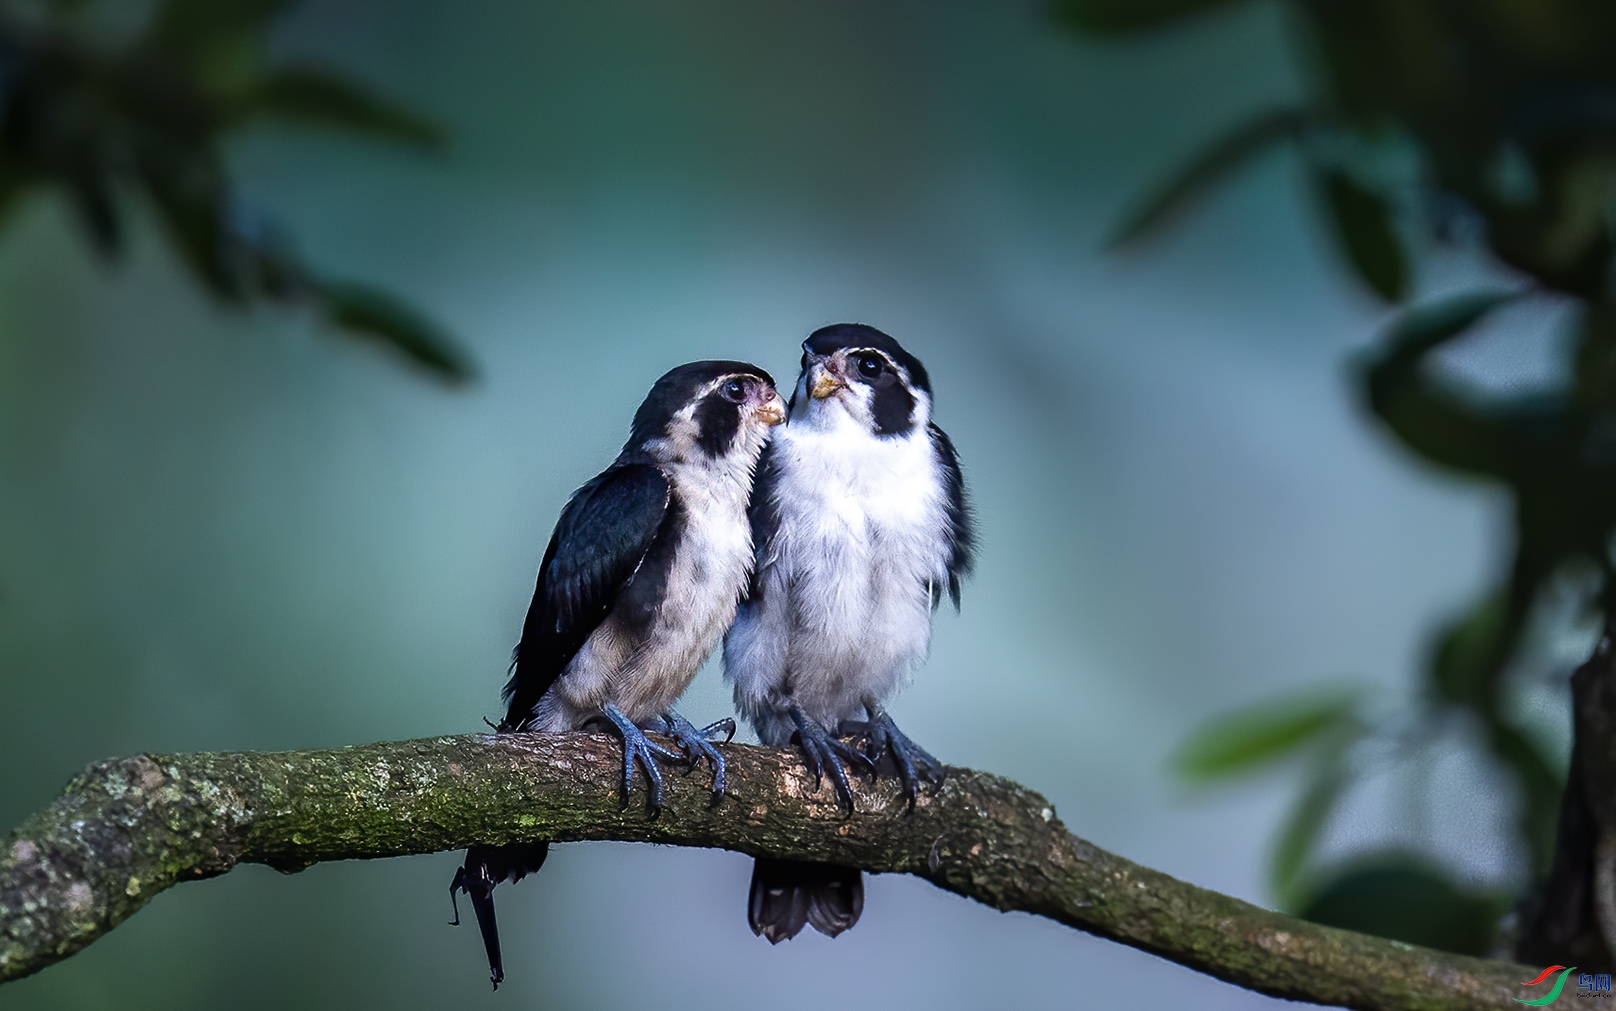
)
(127, 829)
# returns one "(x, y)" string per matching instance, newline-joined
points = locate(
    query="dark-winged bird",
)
(639, 582)
(861, 527)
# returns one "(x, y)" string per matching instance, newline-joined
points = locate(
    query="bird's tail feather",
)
(790, 894)
(485, 867)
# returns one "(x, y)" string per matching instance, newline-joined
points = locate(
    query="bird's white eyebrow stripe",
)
(721, 380)
(707, 391)
(861, 351)
(899, 369)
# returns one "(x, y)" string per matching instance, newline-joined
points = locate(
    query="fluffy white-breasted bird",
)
(861, 528)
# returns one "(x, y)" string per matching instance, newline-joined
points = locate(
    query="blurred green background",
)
(226, 526)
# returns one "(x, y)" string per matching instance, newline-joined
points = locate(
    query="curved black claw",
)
(725, 726)
(638, 748)
(915, 764)
(694, 743)
(821, 751)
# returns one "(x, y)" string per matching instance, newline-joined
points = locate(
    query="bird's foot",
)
(694, 742)
(637, 748)
(914, 763)
(822, 753)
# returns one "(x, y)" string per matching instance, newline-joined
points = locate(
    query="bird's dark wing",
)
(604, 532)
(764, 514)
(961, 532)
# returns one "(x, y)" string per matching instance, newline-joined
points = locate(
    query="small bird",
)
(639, 582)
(861, 528)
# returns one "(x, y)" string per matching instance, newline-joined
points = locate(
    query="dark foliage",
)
(1491, 127)
(102, 122)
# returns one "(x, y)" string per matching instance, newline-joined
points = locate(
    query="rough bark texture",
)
(127, 829)
(1571, 918)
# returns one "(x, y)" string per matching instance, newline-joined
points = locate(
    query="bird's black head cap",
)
(841, 336)
(677, 388)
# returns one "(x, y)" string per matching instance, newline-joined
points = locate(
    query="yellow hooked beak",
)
(825, 384)
(773, 410)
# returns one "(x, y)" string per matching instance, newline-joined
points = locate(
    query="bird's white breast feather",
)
(845, 612)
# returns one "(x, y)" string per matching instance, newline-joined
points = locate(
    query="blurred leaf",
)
(1261, 735)
(92, 195)
(99, 216)
(371, 312)
(1443, 423)
(13, 184)
(191, 217)
(1401, 897)
(1595, 357)
(188, 28)
(1580, 193)
(1363, 226)
(1424, 327)
(1223, 157)
(219, 43)
(1472, 651)
(1300, 835)
(309, 95)
(1131, 15)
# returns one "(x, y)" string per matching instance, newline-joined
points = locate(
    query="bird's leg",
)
(914, 762)
(694, 743)
(821, 751)
(638, 748)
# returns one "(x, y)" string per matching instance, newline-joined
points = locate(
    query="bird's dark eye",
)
(735, 390)
(869, 366)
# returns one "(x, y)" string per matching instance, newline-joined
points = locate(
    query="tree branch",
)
(127, 829)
